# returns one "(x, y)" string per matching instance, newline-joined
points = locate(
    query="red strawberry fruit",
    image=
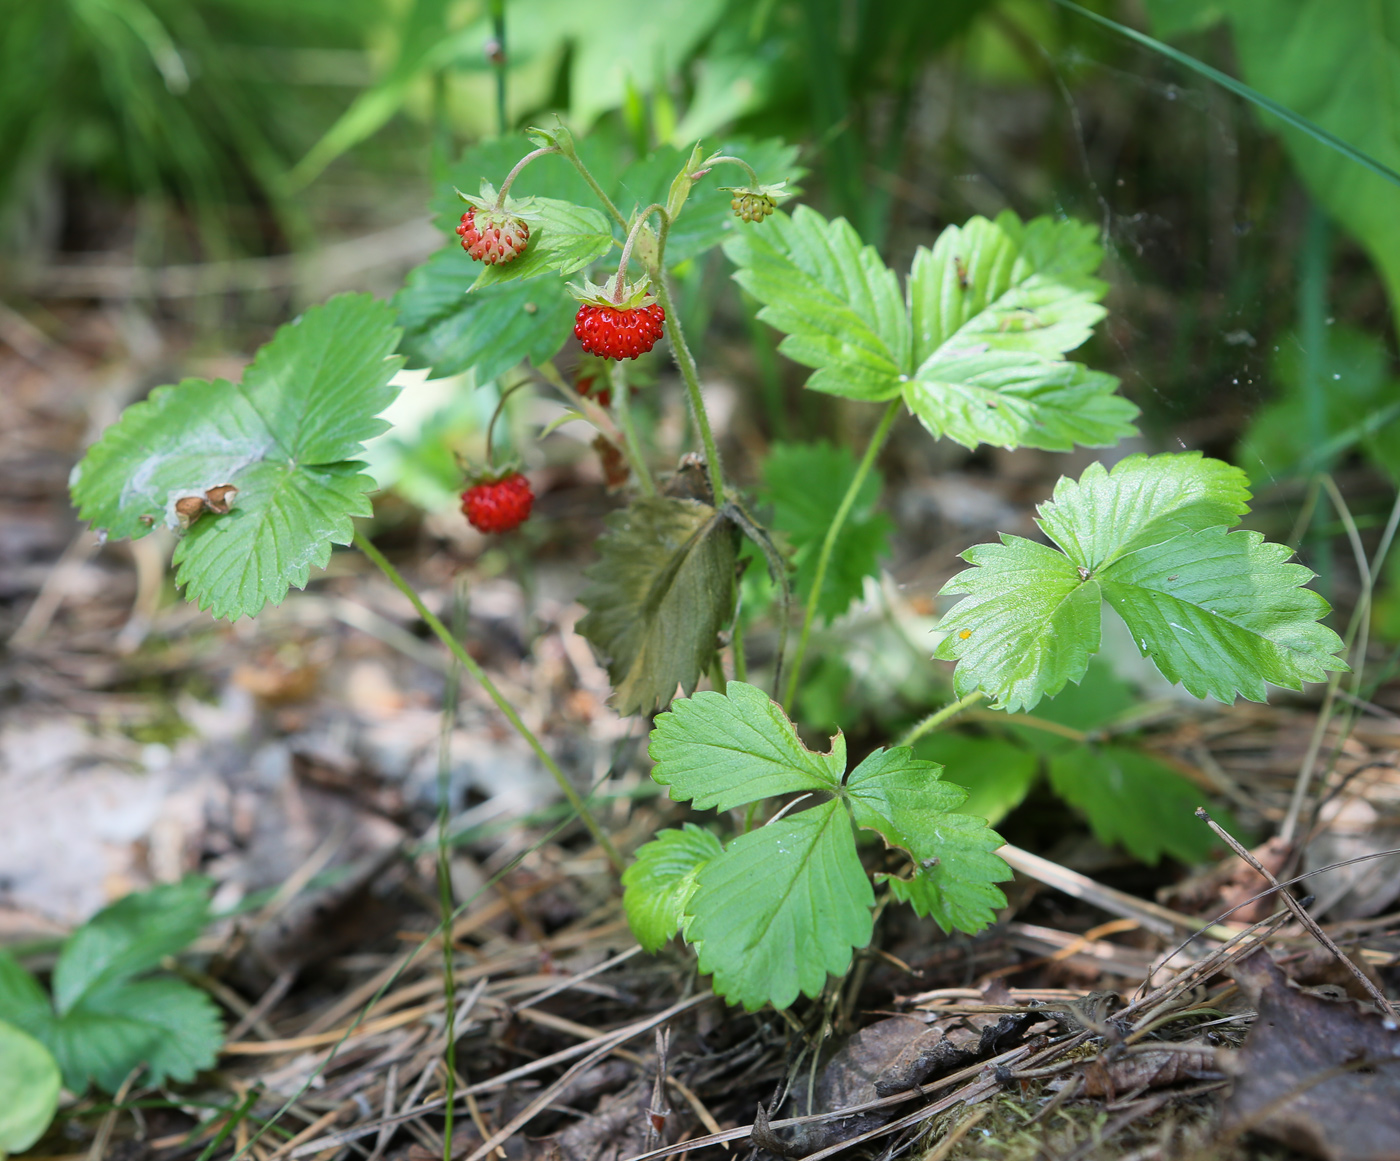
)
(498, 504)
(617, 327)
(586, 385)
(493, 236)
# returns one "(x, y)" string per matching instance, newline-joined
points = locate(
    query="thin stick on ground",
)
(1303, 917)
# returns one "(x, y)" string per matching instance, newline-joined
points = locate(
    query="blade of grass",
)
(1240, 89)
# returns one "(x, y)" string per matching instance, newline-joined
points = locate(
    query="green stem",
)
(444, 866)
(717, 673)
(727, 160)
(515, 172)
(636, 229)
(686, 362)
(593, 414)
(592, 181)
(848, 501)
(936, 719)
(736, 639)
(363, 543)
(498, 63)
(617, 375)
(495, 415)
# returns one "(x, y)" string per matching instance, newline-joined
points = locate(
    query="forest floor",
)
(295, 760)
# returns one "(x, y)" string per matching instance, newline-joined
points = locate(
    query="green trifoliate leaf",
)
(956, 884)
(1219, 612)
(102, 1022)
(1131, 798)
(975, 350)
(837, 302)
(452, 328)
(782, 909)
(130, 936)
(1005, 285)
(1027, 625)
(662, 880)
(285, 439)
(724, 750)
(996, 773)
(163, 1023)
(806, 484)
(563, 238)
(1145, 500)
(30, 1081)
(1011, 399)
(902, 798)
(661, 591)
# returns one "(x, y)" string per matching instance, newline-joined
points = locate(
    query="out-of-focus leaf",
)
(1334, 64)
(490, 329)
(661, 591)
(1358, 395)
(128, 937)
(1131, 798)
(806, 484)
(102, 1022)
(30, 1082)
(997, 774)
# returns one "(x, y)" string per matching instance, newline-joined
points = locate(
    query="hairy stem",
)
(592, 181)
(727, 160)
(519, 165)
(686, 362)
(498, 65)
(848, 501)
(617, 375)
(938, 717)
(495, 415)
(736, 639)
(631, 241)
(363, 543)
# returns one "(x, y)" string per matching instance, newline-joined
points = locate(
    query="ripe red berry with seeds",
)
(619, 326)
(499, 505)
(492, 236)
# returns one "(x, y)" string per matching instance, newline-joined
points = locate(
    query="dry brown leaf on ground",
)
(1153, 1066)
(1318, 1074)
(899, 1053)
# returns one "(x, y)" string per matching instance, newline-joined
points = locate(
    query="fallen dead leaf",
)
(1321, 1075)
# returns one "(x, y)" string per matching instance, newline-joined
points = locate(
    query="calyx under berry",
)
(634, 295)
(493, 233)
(624, 327)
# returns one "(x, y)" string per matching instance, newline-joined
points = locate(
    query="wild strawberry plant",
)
(263, 478)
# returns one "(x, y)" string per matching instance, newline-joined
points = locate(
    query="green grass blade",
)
(1240, 89)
